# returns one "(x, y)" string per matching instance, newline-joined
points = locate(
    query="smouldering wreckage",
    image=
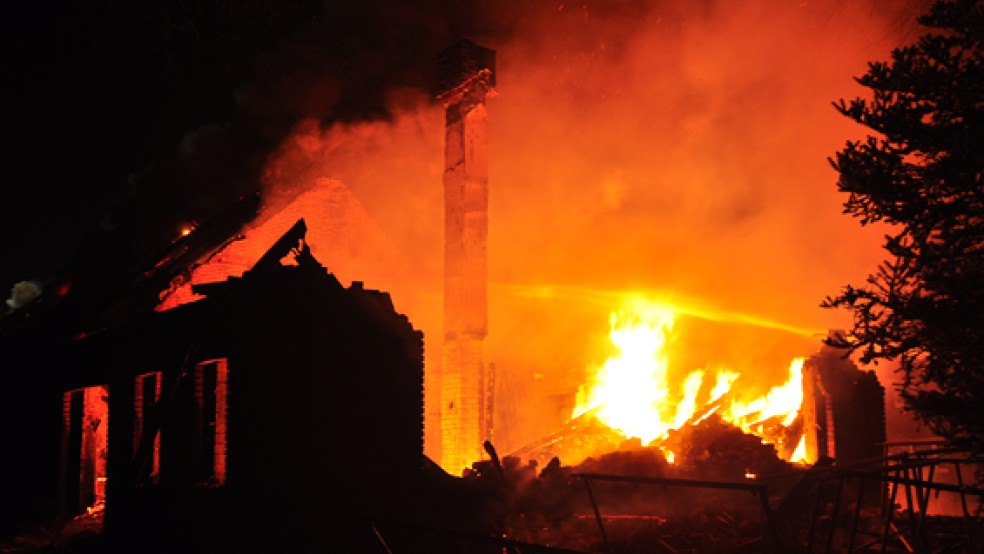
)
(268, 407)
(227, 453)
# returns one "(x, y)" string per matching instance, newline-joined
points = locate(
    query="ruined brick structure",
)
(269, 415)
(467, 75)
(844, 406)
(341, 233)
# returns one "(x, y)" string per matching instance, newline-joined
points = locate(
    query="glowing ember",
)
(634, 393)
(670, 456)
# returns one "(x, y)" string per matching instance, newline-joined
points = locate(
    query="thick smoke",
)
(338, 67)
(681, 150)
(675, 149)
(166, 112)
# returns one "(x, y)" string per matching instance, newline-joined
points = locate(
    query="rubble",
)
(728, 493)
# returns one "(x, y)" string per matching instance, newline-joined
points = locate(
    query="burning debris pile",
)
(638, 395)
(728, 493)
(673, 460)
(634, 500)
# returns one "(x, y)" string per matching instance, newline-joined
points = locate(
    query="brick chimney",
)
(467, 76)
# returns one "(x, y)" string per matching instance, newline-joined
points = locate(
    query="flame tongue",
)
(634, 393)
(781, 401)
(630, 391)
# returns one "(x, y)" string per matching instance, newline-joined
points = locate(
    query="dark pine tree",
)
(922, 174)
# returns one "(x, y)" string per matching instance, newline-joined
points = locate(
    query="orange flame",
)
(781, 401)
(631, 390)
(634, 393)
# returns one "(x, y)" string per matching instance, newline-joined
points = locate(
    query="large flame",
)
(631, 391)
(635, 393)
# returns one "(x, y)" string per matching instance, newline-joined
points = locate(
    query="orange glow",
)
(642, 144)
(799, 455)
(670, 456)
(187, 229)
(95, 441)
(782, 401)
(635, 392)
(86, 425)
(631, 390)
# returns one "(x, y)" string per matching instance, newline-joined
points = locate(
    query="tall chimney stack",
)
(467, 76)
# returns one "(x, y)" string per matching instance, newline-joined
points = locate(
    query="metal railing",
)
(914, 475)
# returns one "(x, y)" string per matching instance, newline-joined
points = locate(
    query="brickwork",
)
(341, 234)
(465, 390)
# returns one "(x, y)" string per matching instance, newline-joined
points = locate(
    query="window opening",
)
(86, 446)
(146, 427)
(211, 391)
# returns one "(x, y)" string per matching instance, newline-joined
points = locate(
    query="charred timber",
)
(292, 240)
(728, 485)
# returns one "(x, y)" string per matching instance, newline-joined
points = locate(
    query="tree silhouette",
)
(922, 175)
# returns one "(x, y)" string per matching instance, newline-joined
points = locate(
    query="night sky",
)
(124, 120)
(95, 93)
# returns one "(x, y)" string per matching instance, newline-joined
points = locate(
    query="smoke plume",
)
(671, 149)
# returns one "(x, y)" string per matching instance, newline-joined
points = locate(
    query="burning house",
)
(249, 396)
(338, 229)
(461, 380)
(276, 402)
